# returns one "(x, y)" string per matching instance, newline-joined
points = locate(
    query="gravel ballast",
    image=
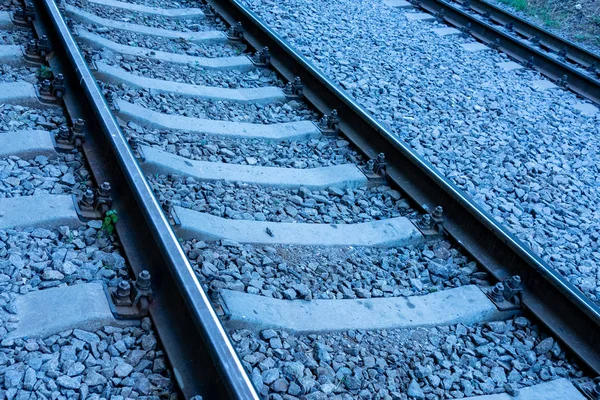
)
(114, 363)
(167, 103)
(66, 174)
(181, 46)
(191, 74)
(433, 363)
(527, 157)
(153, 21)
(322, 152)
(258, 203)
(296, 272)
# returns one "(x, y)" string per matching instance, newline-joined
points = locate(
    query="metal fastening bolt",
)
(369, 166)
(334, 120)
(298, 86)
(497, 292)
(58, 85)
(563, 53)
(380, 164)
(64, 133)
(213, 290)
(530, 62)
(32, 48)
(596, 391)
(425, 222)
(133, 143)
(466, 30)
(59, 79)
(563, 81)
(265, 55)
(88, 199)
(143, 280)
(236, 31)
(438, 212)
(440, 15)
(123, 290)
(167, 206)
(78, 125)
(43, 46)
(289, 89)
(46, 88)
(104, 189)
(514, 282)
(512, 287)
(495, 44)
(331, 121)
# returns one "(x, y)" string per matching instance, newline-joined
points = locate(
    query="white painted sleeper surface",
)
(390, 232)
(465, 305)
(239, 63)
(262, 95)
(341, 176)
(204, 37)
(182, 13)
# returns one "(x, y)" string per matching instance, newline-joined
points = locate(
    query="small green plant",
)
(45, 72)
(110, 220)
(520, 5)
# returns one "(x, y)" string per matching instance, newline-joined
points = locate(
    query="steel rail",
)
(548, 63)
(528, 30)
(178, 288)
(549, 297)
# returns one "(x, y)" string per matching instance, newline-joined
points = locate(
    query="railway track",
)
(287, 255)
(566, 63)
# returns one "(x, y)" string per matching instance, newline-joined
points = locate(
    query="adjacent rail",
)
(565, 62)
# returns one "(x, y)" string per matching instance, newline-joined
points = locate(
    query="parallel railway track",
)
(177, 195)
(563, 61)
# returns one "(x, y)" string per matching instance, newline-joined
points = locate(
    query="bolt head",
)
(143, 280)
(123, 289)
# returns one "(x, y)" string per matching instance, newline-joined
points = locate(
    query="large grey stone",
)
(27, 144)
(385, 233)
(300, 130)
(240, 63)
(262, 95)
(82, 16)
(44, 313)
(183, 13)
(559, 389)
(43, 210)
(342, 176)
(11, 54)
(465, 305)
